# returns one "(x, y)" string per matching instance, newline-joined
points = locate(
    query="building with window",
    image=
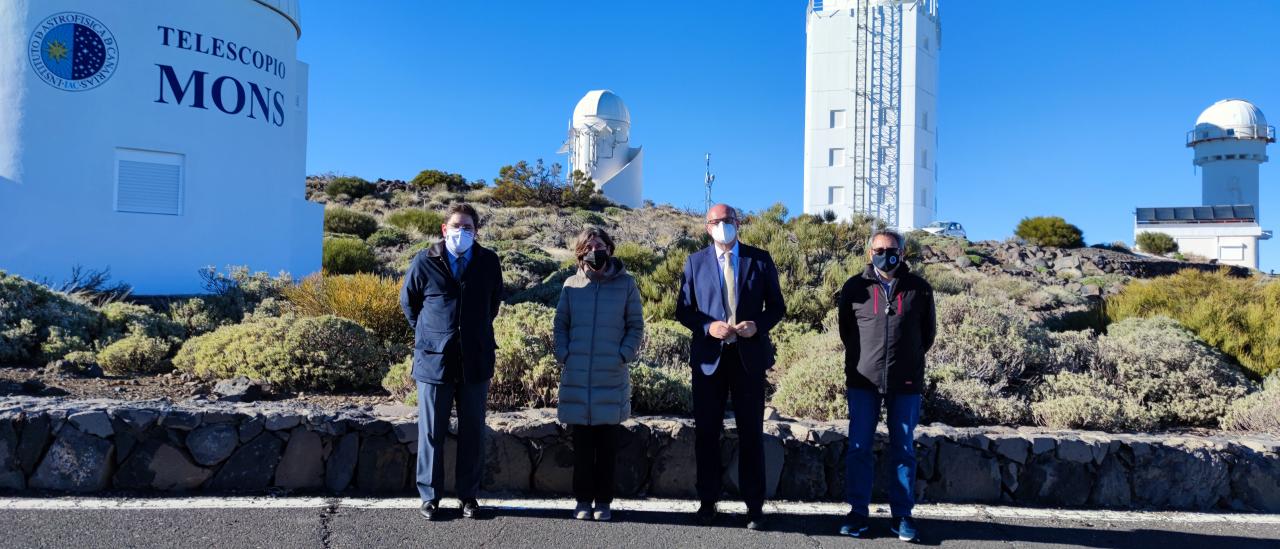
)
(153, 138)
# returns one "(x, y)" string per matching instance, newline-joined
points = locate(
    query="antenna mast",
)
(709, 178)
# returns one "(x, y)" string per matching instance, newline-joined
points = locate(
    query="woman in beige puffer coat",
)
(598, 328)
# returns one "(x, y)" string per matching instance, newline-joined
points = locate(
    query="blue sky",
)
(1077, 109)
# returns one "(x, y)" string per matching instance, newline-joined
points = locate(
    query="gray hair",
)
(895, 235)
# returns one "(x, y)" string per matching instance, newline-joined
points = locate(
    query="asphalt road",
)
(337, 525)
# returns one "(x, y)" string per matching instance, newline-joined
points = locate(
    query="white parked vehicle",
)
(946, 228)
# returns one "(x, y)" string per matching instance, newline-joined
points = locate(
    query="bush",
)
(348, 256)
(546, 292)
(666, 344)
(1169, 371)
(399, 380)
(438, 180)
(123, 318)
(388, 237)
(1050, 231)
(345, 221)
(987, 338)
(660, 390)
(526, 373)
(522, 270)
(425, 222)
(370, 300)
(353, 187)
(1086, 401)
(813, 385)
(953, 398)
(638, 258)
(1156, 243)
(81, 363)
(1257, 412)
(59, 344)
(1235, 315)
(522, 184)
(291, 352)
(233, 295)
(135, 354)
(29, 310)
(195, 316)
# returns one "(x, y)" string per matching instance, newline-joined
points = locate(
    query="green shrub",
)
(195, 316)
(123, 318)
(666, 343)
(399, 380)
(546, 292)
(1156, 243)
(370, 300)
(135, 354)
(522, 184)
(388, 237)
(1259, 411)
(345, 221)
(59, 344)
(588, 217)
(659, 287)
(291, 352)
(522, 270)
(953, 398)
(638, 258)
(425, 222)
(988, 338)
(82, 363)
(353, 187)
(1086, 401)
(348, 256)
(1050, 231)
(813, 385)
(1169, 371)
(1235, 315)
(29, 310)
(239, 291)
(526, 373)
(438, 180)
(660, 390)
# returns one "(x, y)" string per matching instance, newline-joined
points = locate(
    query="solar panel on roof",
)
(1146, 214)
(1223, 212)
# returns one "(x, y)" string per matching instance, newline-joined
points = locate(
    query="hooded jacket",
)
(886, 334)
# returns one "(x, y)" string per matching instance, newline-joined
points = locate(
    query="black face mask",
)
(596, 259)
(886, 261)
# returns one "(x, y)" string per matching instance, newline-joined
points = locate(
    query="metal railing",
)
(1267, 133)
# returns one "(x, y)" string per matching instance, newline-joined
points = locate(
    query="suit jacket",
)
(449, 315)
(760, 300)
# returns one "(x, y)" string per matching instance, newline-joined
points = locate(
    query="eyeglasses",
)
(879, 251)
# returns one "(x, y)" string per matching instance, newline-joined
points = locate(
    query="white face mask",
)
(724, 233)
(458, 241)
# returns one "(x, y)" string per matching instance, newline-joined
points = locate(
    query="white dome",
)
(1231, 118)
(602, 104)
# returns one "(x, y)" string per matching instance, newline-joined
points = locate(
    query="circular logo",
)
(73, 51)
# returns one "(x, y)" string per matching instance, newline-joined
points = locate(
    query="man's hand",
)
(745, 328)
(721, 330)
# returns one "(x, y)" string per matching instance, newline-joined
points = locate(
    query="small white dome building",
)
(599, 146)
(154, 138)
(1230, 141)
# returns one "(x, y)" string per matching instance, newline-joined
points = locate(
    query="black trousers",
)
(710, 393)
(595, 453)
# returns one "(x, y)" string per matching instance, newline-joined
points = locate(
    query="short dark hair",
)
(895, 235)
(464, 209)
(580, 245)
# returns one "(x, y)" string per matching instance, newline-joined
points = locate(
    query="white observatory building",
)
(871, 97)
(153, 138)
(1230, 142)
(599, 145)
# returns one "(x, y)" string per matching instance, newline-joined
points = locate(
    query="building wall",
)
(830, 82)
(241, 199)
(1229, 243)
(1226, 180)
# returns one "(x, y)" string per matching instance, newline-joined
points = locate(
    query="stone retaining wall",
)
(51, 445)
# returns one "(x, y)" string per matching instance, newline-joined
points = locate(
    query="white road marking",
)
(940, 511)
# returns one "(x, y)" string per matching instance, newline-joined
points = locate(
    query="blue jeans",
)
(435, 401)
(860, 460)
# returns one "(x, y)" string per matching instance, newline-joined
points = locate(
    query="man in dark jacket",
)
(729, 298)
(450, 296)
(887, 324)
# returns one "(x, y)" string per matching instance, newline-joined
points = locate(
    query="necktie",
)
(730, 293)
(459, 265)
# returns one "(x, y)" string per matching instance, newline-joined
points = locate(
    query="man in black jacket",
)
(450, 296)
(887, 323)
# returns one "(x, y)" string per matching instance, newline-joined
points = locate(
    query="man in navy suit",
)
(451, 295)
(730, 298)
